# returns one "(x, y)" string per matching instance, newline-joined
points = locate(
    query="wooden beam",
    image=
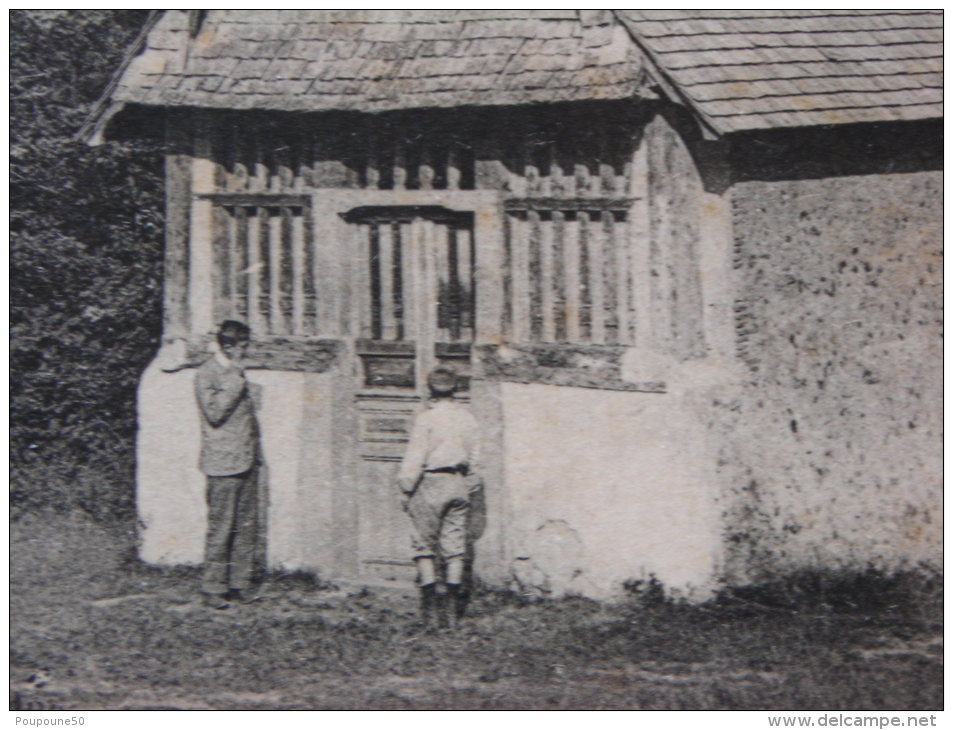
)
(558, 225)
(400, 160)
(257, 199)
(531, 173)
(466, 280)
(518, 137)
(236, 166)
(567, 204)
(201, 285)
(577, 366)
(298, 274)
(661, 241)
(275, 270)
(256, 267)
(506, 323)
(328, 170)
(357, 255)
(623, 275)
(573, 305)
(585, 288)
(264, 272)
(242, 263)
(222, 264)
(640, 246)
(453, 167)
(551, 181)
(454, 289)
(606, 171)
(386, 273)
(284, 156)
(427, 292)
(594, 249)
(311, 294)
(426, 170)
(380, 347)
(489, 169)
(372, 167)
(408, 270)
(535, 275)
(331, 248)
(302, 156)
(441, 279)
(609, 277)
(259, 172)
(546, 280)
(178, 203)
(397, 266)
(268, 352)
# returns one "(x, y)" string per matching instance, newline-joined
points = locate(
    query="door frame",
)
(335, 249)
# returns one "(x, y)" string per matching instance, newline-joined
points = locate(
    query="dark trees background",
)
(85, 266)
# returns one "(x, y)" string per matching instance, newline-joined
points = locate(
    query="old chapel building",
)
(689, 260)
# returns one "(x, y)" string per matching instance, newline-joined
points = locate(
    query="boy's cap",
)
(442, 381)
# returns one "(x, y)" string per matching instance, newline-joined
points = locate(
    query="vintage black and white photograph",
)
(476, 360)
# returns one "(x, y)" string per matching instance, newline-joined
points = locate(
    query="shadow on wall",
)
(837, 151)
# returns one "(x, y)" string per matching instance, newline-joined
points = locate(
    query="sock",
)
(426, 572)
(455, 570)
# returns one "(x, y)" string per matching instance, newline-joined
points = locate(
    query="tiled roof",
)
(750, 69)
(376, 60)
(737, 69)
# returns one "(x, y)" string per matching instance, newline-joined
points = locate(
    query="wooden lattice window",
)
(263, 268)
(416, 273)
(567, 271)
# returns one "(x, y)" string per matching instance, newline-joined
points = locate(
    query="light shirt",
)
(445, 435)
(222, 359)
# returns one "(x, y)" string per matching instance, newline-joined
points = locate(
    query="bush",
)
(872, 591)
(85, 266)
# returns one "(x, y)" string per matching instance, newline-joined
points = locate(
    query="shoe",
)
(218, 601)
(243, 597)
(444, 620)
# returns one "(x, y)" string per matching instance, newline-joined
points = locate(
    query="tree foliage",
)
(85, 265)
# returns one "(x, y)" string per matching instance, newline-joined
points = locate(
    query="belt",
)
(446, 470)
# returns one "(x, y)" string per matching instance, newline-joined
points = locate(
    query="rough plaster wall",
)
(833, 449)
(294, 412)
(170, 489)
(605, 487)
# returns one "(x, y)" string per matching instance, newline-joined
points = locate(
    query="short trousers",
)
(438, 512)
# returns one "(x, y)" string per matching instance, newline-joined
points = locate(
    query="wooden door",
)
(414, 289)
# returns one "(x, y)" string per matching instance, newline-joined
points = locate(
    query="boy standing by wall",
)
(438, 474)
(230, 459)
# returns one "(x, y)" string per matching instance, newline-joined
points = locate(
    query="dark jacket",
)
(229, 425)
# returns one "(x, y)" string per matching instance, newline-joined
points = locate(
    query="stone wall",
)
(832, 451)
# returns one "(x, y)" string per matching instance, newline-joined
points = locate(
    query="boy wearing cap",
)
(437, 476)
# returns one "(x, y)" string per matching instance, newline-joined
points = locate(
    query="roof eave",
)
(669, 87)
(93, 130)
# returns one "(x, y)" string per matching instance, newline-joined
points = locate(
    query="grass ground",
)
(92, 628)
